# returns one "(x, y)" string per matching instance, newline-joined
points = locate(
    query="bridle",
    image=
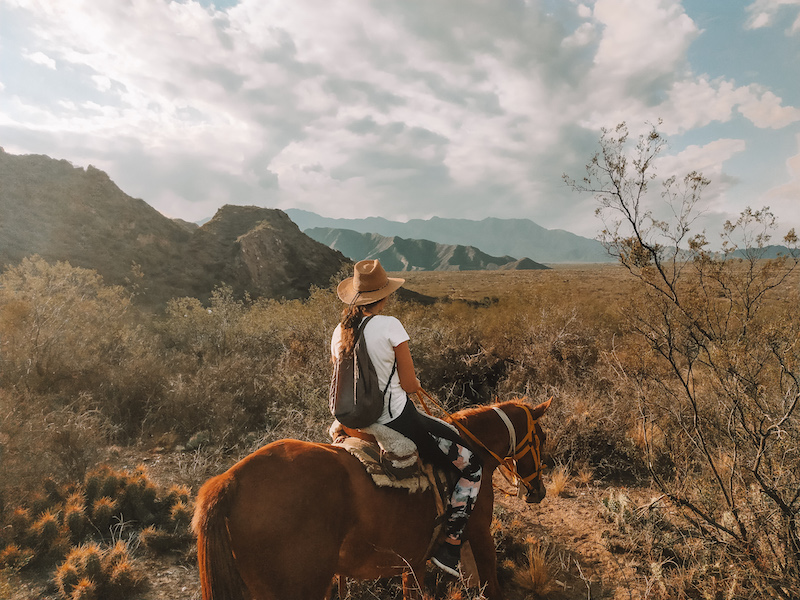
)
(529, 444)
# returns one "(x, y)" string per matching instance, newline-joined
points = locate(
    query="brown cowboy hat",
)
(369, 284)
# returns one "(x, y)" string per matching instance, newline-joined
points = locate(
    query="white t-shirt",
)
(382, 334)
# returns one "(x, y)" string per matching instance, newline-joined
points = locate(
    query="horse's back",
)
(288, 489)
(284, 524)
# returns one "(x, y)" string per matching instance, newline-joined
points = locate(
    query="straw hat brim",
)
(349, 295)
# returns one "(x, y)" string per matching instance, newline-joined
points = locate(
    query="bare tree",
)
(720, 402)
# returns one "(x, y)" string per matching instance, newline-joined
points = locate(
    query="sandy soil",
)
(574, 533)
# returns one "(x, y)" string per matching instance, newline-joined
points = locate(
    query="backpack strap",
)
(388, 383)
(364, 321)
(394, 368)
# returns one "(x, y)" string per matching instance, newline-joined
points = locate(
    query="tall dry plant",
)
(723, 391)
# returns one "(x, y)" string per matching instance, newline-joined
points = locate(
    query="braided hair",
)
(352, 315)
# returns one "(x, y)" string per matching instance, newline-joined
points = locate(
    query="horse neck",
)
(488, 427)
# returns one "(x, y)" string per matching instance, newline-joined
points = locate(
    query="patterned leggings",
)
(445, 449)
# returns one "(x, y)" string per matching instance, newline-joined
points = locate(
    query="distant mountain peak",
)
(401, 254)
(494, 236)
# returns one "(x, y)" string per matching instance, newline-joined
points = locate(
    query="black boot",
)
(447, 557)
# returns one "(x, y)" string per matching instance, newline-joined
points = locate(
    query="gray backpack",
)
(355, 397)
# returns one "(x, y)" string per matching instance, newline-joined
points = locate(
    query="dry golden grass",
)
(604, 283)
(585, 475)
(558, 480)
(245, 374)
(536, 575)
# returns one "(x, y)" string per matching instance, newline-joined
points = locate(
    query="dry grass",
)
(585, 475)
(599, 282)
(535, 576)
(559, 479)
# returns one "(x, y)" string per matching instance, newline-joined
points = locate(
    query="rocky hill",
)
(497, 237)
(65, 213)
(401, 254)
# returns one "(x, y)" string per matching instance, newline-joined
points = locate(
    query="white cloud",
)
(103, 83)
(762, 13)
(693, 103)
(639, 66)
(582, 36)
(783, 199)
(642, 39)
(707, 159)
(764, 109)
(40, 58)
(697, 102)
(584, 11)
(759, 20)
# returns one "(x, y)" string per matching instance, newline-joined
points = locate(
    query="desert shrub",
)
(38, 441)
(87, 523)
(536, 574)
(60, 325)
(15, 557)
(77, 370)
(242, 361)
(449, 355)
(546, 345)
(88, 532)
(722, 400)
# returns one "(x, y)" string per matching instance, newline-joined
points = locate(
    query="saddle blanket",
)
(382, 468)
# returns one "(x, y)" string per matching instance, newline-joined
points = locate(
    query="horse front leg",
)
(478, 532)
(483, 549)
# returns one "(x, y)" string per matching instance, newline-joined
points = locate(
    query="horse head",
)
(527, 453)
(517, 443)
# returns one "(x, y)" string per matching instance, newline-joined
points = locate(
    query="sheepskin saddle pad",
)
(390, 458)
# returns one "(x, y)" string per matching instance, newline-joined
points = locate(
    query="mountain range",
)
(65, 213)
(497, 237)
(400, 254)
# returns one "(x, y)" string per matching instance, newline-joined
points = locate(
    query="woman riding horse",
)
(285, 520)
(366, 295)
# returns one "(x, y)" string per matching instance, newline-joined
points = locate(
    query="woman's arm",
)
(405, 369)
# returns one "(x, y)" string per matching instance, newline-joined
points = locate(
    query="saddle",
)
(392, 460)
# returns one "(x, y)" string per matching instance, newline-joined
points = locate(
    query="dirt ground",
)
(572, 530)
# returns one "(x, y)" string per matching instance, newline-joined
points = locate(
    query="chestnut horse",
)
(282, 522)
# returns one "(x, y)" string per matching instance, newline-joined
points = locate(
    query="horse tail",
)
(219, 577)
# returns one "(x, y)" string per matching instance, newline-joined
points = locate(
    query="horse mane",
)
(468, 412)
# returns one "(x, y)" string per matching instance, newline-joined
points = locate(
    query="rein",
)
(528, 444)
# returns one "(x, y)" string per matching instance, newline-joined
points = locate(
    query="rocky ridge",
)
(401, 254)
(65, 213)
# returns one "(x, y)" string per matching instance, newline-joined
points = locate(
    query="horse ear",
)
(539, 410)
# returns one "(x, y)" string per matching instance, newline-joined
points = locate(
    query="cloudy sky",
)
(404, 108)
